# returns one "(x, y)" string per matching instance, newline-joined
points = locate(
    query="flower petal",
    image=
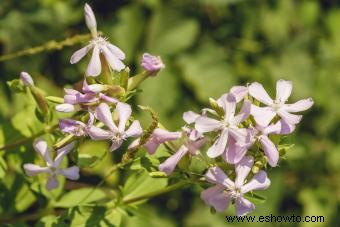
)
(94, 68)
(243, 206)
(135, 130)
(216, 197)
(239, 134)
(32, 170)
(124, 112)
(239, 92)
(90, 19)
(270, 150)
(234, 153)
(99, 134)
(206, 124)
(108, 99)
(281, 127)
(52, 183)
(61, 154)
(283, 90)
(116, 51)
(243, 114)
(113, 60)
(219, 146)
(217, 176)
(79, 54)
(41, 147)
(291, 119)
(73, 127)
(242, 170)
(190, 117)
(71, 173)
(104, 114)
(259, 182)
(228, 103)
(301, 105)
(257, 91)
(170, 164)
(262, 115)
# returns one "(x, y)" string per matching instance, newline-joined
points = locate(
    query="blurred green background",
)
(207, 47)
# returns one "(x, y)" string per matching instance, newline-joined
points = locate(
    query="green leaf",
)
(80, 196)
(255, 198)
(141, 183)
(86, 160)
(3, 167)
(16, 85)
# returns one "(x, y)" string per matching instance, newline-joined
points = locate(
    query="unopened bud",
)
(26, 79)
(152, 64)
(66, 108)
(90, 20)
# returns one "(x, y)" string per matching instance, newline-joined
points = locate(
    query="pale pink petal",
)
(259, 182)
(41, 147)
(116, 144)
(135, 130)
(301, 105)
(234, 153)
(79, 54)
(190, 117)
(61, 154)
(99, 134)
(104, 114)
(239, 92)
(32, 170)
(239, 134)
(170, 164)
(108, 99)
(52, 183)
(217, 176)
(206, 124)
(283, 90)
(94, 68)
(262, 115)
(151, 146)
(194, 146)
(66, 108)
(242, 170)
(124, 112)
(219, 146)
(281, 127)
(216, 197)
(116, 51)
(113, 61)
(92, 88)
(228, 103)
(71, 173)
(243, 206)
(270, 150)
(291, 119)
(243, 114)
(162, 135)
(257, 91)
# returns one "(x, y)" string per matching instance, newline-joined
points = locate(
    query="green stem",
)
(51, 45)
(25, 140)
(157, 193)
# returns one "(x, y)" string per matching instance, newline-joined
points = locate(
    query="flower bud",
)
(66, 108)
(90, 20)
(26, 79)
(152, 64)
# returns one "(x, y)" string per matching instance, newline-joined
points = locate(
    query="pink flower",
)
(74, 127)
(227, 127)
(226, 190)
(52, 167)
(152, 63)
(112, 54)
(263, 115)
(193, 141)
(92, 94)
(116, 134)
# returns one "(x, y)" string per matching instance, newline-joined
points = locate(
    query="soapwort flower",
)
(226, 190)
(264, 115)
(227, 127)
(117, 134)
(52, 167)
(100, 46)
(151, 63)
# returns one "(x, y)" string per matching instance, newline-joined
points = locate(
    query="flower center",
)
(236, 193)
(99, 41)
(276, 105)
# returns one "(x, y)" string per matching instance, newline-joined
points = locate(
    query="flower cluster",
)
(236, 131)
